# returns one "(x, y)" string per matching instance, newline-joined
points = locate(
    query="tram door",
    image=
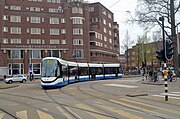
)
(65, 75)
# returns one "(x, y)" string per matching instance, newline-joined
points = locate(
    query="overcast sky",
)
(120, 8)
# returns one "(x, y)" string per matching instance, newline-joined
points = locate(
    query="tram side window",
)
(83, 71)
(99, 71)
(64, 71)
(73, 71)
(96, 70)
(110, 70)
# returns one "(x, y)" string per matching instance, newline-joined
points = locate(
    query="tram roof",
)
(82, 64)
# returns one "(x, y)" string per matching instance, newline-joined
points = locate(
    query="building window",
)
(35, 0)
(77, 31)
(78, 10)
(16, 68)
(15, 18)
(63, 41)
(109, 15)
(43, 41)
(110, 33)
(35, 41)
(105, 38)
(105, 30)
(54, 31)
(35, 20)
(104, 11)
(110, 25)
(63, 31)
(91, 9)
(54, 41)
(35, 9)
(5, 29)
(15, 30)
(77, 41)
(36, 68)
(62, 20)
(78, 53)
(77, 20)
(5, 40)
(15, 7)
(54, 1)
(54, 53)
(104, 21)
(54, 21)
(15, 54)
(35, 54)
(35, 30)
(5, 17)
(53, 10)
(110, 40)
(15, 41)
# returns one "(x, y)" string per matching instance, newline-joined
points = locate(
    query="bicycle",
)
(174, 79)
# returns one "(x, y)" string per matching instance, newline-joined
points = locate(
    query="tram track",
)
(8, 113)
(104, 98)
(105, 113)
(33, 107)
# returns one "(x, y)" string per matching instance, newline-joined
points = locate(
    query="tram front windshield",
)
(50, 68)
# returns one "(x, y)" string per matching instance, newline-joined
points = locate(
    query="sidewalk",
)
(3, 85)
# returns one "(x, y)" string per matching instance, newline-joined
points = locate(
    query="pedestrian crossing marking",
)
(91, 110)
(152, 106)
(172, 95)
(168, 97)
(139, 108)
(120, 85)
(43, 115)
(121, 112)
(1, 115)
(45, 109)
(22, 114)
(64, 113)
(78, 117)
(176, 92)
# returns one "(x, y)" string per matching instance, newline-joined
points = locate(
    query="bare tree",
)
(126, 43)
(149, 11)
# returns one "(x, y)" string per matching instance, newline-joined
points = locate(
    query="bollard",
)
(166, 89)
(165, 72)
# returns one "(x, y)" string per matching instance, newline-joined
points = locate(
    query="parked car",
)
(16, 78)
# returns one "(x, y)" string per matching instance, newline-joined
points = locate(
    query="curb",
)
(136, 95)
(152, 83)
(6, 86)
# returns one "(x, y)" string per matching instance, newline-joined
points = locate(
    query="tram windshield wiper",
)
(51, 73)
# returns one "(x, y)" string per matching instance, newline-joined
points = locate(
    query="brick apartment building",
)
(69, 29)
(133, 58)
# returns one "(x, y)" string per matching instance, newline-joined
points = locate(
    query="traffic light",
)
(161, 55)
(169, 50)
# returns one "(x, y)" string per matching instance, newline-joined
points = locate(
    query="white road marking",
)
(64, 113)
(22, 114)
(120, 85)
(1, 115)
(168, 96)
(43, 115)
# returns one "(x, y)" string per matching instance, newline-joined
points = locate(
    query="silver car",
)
(16, 78)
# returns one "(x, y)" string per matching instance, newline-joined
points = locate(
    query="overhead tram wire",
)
(115, 3)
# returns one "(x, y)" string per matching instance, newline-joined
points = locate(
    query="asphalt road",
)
(126, 98)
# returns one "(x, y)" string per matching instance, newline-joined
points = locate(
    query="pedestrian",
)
(151, 74)
(155, 76)
(170, 74)
(4, 76)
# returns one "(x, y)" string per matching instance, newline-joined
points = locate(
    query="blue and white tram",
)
(57, 72)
